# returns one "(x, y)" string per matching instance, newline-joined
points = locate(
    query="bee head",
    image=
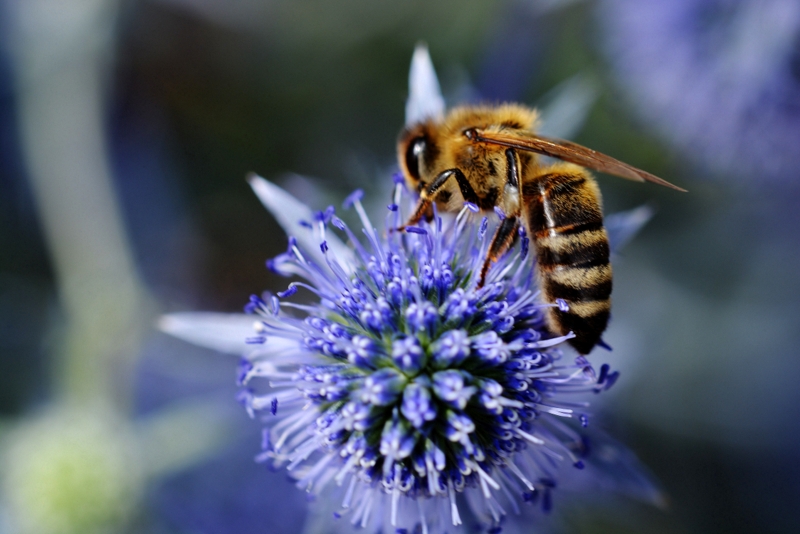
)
(414, 152)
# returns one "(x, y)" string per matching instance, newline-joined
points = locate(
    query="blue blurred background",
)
(126, 130)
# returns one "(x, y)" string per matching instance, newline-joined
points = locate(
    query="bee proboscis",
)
(489, 156)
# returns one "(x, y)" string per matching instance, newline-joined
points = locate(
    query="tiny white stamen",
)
(367, 224)
(322, 482)
(454, 515)
(484, 488)
(348, 496)
(510, 402)
(559, 412)
(549, 342)
(495, 509)
(422, 517)
(532, 439)
(360, 508)
(516, 470)
(395, 497)
(316, 469)
(302, 453)
(368, 509)
(492, 482)
(307, 418)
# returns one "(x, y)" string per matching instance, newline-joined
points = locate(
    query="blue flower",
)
(404, 388)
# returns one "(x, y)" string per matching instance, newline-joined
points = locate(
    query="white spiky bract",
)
(425, 100)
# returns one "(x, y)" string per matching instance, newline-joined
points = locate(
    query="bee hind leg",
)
(428, 196)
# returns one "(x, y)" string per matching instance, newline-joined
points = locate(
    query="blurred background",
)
(126, 131)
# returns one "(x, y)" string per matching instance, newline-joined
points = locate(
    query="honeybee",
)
(489, 155)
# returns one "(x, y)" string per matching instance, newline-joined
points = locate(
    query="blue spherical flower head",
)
(414, 397)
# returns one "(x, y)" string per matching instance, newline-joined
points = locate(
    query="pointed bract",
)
(297, 220)
(623, 226)
(425, 100)
(225, 332)
(567, 107)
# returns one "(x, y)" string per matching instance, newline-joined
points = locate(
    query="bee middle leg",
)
(504, 238)
(506, 234)
(428, 196)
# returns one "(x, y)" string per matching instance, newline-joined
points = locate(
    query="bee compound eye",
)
(414, 153)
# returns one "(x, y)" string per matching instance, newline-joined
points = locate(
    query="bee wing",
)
(568, 151)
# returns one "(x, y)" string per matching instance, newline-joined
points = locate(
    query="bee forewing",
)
(573, 153)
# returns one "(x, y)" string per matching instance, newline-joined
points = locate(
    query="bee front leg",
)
(428, 196)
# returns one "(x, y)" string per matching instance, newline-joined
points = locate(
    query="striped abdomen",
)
(563, 216)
